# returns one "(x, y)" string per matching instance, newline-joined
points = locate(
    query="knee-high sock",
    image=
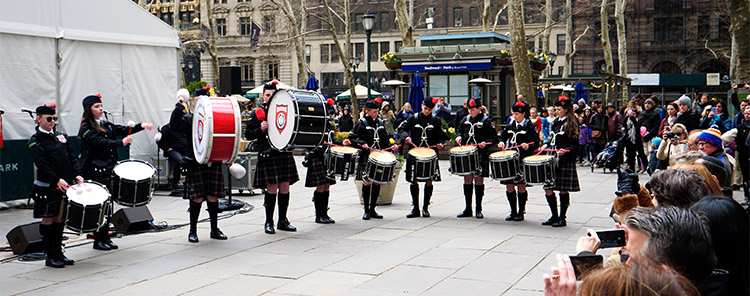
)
(195, 212)
(564, 203)
(480, 194)
(427, 196)
(414, 188)
(269, 201)
(468, 190)
(552, 202)
(213, 213)
(511, 201)
(374, 195)
(522, 198)
(283, 205)
(366, 190)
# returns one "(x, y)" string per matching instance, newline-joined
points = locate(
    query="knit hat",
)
(46, 109)
(474, 103)
(656, 141)
(711, 135)
(91, 99)
(684, 100)
(563, 101)
(430, 102)
(520, 107)
(649, 101)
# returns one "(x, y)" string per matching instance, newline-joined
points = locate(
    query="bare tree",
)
(297, 39)
(547, 28)
(497, 16)
(404, 22)
(606, 45)
(486, 16)
(622, 42)
(518, 50)
(212, 42)
(568, 38)
(739, 14)
(344, 52)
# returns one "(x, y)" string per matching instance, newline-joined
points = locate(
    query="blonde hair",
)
(704, 172)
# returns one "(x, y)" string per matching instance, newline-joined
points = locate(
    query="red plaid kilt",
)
(566, 178)
(316, 174)
(205, 181)
(278, 167)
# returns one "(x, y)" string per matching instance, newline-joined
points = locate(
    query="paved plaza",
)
(440, 255)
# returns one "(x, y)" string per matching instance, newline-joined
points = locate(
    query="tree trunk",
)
(568, 37)
(344, 53)
(546, 33)
(518, 50)
(486, 16)
(403, 23)
(739, 15)
(622, 42)
(296, 38)
(212, 43)
(606, 46)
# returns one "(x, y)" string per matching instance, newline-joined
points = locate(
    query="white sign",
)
(644, 79)
(712, 78)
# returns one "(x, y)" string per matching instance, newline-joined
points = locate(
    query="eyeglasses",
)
(51, 118)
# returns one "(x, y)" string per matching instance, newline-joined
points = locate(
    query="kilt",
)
(278, 167)
(49, 206)
(484, 164)
(566, 178)
(518, 180)
(205, 180)
(316, 174)
(361, 167)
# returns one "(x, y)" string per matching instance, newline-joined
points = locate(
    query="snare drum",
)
(216, 130)
(380, 167)
(87, 205)
(539, 169)
(341, 161)
(422, 164)
(133, 181)
(296, 119)
(504, 165)
(464, 160)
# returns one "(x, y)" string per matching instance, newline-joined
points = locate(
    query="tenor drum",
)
(424, 161)
(133, 181)
(341, 161)
(87, 203)
(539, 169)
(504, 165)
(464, 160)
(380, 167)
(216, 130)
(296, 119)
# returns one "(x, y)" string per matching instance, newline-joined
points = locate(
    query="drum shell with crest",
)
(464, 160)
(296, 119)
(380, 167)
(88, 203)
(341, 161)
(425, 163)
(216, 130)
(504, 165)
(133, 182)
(539, 169)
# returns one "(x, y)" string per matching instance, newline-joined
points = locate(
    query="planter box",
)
(502, 62)
(538, 66)
(392, 66)
(386, 190)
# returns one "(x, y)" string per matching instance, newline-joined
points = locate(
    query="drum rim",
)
(505, 154)
(290, 145)
(377, 161)
(334, 150)
(109, 195)
(209, 135)
(537, 159)
(133, 160)
(462, 149)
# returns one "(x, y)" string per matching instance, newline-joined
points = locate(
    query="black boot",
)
(552, 202)
(512, 202)
(213, 213)
(100, 238)
(325, 219)
(427, 197)
(414, 188)
(366, 189)
(479, 191)
(283, 206)
(59, 227)
(316, 204)
(522, 198)
(48, 237)
(564, 203)
(195, 212)
(106, 237)
(374, 201)
(468, 190)
(269, 202)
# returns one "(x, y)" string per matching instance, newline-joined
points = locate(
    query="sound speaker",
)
(132, 219)
(229, 80)
(25, 239)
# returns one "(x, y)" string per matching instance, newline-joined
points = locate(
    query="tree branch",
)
(573, 52)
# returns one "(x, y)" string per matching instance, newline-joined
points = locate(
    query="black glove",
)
(627, 182)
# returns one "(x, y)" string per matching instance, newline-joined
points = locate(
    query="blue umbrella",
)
(416, 95)
(312, 84)
(580, 92)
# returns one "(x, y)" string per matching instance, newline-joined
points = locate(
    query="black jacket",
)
(254, 132)
(564, 141)
(460, 114)
(531, 136)
(176, 140)
(435, 135)
(651, 119)
(361, 135)
(690, 120)
(53, 157)
(716, 284)
(598, 122)
(345, 123)
(96, 145)
(484, 132)
(319, 152)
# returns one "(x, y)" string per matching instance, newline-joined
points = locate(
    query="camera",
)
(671, 135)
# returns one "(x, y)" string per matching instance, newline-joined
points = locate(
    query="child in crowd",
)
(583, 142)
(653, 162)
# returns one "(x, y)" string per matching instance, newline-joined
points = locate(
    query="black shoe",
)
(324, 220)
(465, 214)
(217, 234)
(550, 221)
(414, 213)
(285, 226)
(177, 192)
(111, 245)
(366, 215)
(192, 237)
(511, 217)
(425, 213)
(518, 217)
(101, 245)
(268, 228)
(479, 215)
(559, 223)
(65, 260)
(375, 215)
(54, 261)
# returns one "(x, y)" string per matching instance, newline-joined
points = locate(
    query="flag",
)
(254, 34)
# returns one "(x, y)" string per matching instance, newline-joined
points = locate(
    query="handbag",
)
(596, 134)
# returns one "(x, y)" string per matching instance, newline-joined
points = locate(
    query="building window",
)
(247, 71)
(397, 45)
(385, 47)
(373, 51)
(273, 70)
(324, 53)
(473, 16)
(328, 80)
(167, 18)
(530, 43)
(503, 19)
(359, 51)
(307, 53)
(455, 88)
(221, 27)
(458, 17)
(723, 27)
(269, 22)
(334, 53)
(244, 26)
(222, 1)
(667, 29)
(560, 44)
(385, 21)
(357, 23)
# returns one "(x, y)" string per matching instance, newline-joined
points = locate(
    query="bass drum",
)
(296, 119)
(216, 130)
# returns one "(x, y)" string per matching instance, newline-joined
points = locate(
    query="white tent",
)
(257, 91)
(55, 51)
(361, 92)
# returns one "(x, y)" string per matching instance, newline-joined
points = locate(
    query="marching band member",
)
(363, 138)
(520, 131)
(417, 125)
(564, 136)
(317, 177)
(57, 167)
(202, 181)
(99, 155)
(276, 170)
(485, 135)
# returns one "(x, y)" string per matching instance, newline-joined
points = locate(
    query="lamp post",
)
(368, 21)
(552, 57)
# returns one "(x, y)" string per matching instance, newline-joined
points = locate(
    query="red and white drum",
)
(216, 130)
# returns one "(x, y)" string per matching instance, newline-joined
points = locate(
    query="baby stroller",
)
(610, 157)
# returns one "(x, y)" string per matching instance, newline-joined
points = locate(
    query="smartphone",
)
(582, 265)
(713, 110)
(611, 238)
(740, 85)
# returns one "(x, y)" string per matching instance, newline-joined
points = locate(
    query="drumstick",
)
(392, 147)
(514, 147)
(131, 124)
(553, 150)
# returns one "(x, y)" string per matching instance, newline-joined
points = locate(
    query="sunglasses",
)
(51, 118)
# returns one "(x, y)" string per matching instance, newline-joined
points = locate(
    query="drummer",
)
(57, 168)
(317, 177)
(99, 145)
(202, 181)
(564, 136)
(484, 136)
(435, 136)
(520, 133)
(364, 138)
(276, 170)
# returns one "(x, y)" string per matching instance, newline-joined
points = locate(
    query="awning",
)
(447, 65)
(361, 92)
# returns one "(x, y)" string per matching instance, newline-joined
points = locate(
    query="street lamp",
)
(354, 63)
(552, 57)
(368, 21)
